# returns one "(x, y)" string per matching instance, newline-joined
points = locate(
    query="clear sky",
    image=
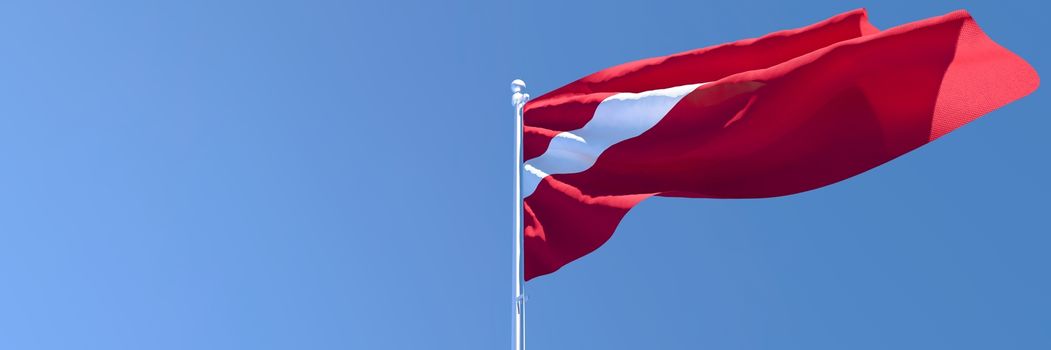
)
(337, 175)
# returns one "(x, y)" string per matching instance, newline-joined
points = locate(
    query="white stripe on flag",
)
(617, 118)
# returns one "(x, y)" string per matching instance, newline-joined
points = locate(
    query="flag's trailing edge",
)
(785, 113)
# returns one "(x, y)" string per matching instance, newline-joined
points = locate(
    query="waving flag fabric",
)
(785, 113)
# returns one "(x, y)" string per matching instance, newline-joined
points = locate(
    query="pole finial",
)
(520, 97)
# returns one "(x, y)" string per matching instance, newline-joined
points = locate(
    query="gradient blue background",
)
(337, 175)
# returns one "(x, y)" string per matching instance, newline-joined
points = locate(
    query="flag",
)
(777, 115)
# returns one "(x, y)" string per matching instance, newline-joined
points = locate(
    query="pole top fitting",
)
(519, 98)
(517, 85)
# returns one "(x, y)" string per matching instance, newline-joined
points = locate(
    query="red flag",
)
(785, 113)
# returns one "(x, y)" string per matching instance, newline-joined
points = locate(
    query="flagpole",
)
(518, 100)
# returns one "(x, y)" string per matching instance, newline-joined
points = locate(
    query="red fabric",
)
(786, 113)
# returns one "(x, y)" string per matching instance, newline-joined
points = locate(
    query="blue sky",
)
(337, 175)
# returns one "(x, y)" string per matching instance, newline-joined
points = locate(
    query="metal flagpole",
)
(518, 100)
